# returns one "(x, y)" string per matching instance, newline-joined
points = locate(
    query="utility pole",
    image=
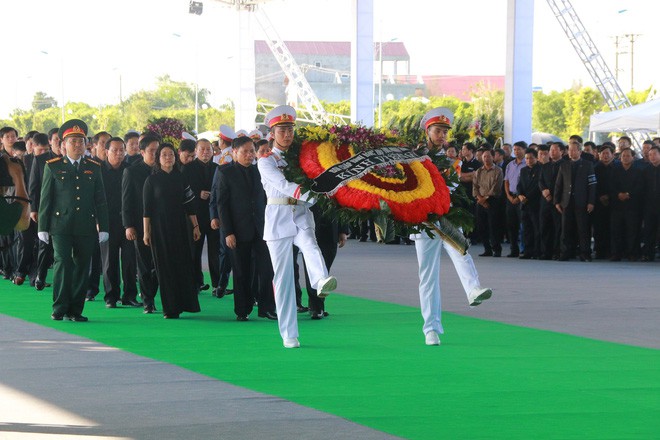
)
(632, 58)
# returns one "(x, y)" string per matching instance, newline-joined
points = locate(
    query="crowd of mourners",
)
(547, 201)
(126, 261)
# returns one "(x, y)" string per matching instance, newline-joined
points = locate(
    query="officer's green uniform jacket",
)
(72, 201)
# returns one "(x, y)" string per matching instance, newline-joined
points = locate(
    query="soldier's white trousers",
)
(281, 255)
(428, 257)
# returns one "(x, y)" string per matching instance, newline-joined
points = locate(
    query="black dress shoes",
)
(56, 317)
(39, 284)
(219, 292)
(149, 308)
(111, 305)
(316, 315)
(204, 287)
(513, 255)
(229, 291)
(243, 318)
(486, 254)
(302, 309)
(76, 318)
(269, 315)
(131, 302)
(171, 316)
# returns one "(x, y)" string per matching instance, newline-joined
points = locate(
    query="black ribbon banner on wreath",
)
(357, 166)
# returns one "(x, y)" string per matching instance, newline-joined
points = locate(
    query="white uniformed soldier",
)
(436, 123)
(227, 135)
(288, 221)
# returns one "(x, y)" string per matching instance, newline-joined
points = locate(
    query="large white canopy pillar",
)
(518, 82)
(246, 101)
(362, 62)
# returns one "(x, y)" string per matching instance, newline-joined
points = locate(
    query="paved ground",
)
(617, 302)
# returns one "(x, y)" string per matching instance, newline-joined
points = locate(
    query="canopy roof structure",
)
(641, 117)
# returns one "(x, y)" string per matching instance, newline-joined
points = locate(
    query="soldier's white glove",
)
(103, 237)
(43, 236)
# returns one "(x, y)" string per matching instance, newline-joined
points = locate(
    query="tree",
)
(42, 101)
(581, 106)
(549, 112)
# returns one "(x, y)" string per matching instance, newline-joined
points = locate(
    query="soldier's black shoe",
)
(111, 304)
(269, 315)
(76, 318)
(149, 308)
(56, 317)
(131, 302)
(219, 292)
(204, 287)
(39, 284)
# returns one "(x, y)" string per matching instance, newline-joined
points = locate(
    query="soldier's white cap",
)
(241, 133)
(283, 114)
(437, 116)
(186, 135)
(255, 134)
(227, 133)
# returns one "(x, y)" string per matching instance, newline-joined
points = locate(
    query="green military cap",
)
(73, 127)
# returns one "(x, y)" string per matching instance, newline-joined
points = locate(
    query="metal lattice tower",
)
(312, 111)
(311, 103)
(592, 59)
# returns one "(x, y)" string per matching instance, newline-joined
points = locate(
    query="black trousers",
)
(44, 259)
(247, 258)
(575, 231)
(651, 224)
(491, 220)
(113, 252)
(224, 261)
(513, 220)
(602, 230)
(213, 254)
(550, 229)
(625, 231)
(329, 252)
(26, 248)
(95, 270)
(531, 231)
(147, 278)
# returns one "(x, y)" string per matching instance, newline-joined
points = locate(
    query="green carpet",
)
(486, 380)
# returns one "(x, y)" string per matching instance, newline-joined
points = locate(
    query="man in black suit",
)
(604, 169)
(529, 195)
(45, 251)
(626, 198)
(575, 196)
(132, 209)
(550, 218)
(200, 174)
(651, 182)
(26, 253)
(118, 248)
(242, 204)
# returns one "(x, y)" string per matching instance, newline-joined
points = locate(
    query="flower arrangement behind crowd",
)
(363, 173)
(169, 129)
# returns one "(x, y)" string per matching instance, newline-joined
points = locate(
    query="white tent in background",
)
(640, 117)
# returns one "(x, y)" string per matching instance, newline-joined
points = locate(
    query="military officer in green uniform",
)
(72, 210)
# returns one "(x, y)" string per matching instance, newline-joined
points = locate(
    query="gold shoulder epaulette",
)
(55, 159)
(93, 161)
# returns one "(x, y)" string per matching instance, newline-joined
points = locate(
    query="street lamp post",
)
(380, 81)
(63, 103)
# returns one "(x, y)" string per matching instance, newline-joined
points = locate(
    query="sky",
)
(86, 50)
